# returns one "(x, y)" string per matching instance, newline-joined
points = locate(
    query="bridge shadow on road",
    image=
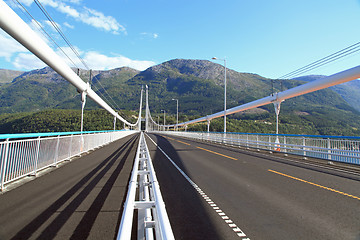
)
(188, 212)
(91, 192)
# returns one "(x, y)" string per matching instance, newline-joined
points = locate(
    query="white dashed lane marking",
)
(211, 203)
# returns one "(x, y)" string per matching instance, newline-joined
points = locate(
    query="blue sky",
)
(270, 38)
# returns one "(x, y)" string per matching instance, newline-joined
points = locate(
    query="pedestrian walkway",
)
(81, 200)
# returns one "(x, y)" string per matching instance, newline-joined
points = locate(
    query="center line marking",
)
(314, 184)
(216, 153)
(223, 155)
(183, 143)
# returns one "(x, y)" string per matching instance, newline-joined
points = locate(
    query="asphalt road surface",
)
(80, 200)
(210, 192)
(252, 195)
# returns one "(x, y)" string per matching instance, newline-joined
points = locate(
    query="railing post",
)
(304, 144)
(4, 164)
(37, 155)
(81, 144)
(114, 123)
(329, 148)
(270, 143)
(70, 146)
(285, 147)
(56, 151)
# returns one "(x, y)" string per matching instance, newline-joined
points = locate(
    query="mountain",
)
(109, 84)
(43, 89)
(309, 78)
(349, 91)
(6, 76)
(199, 86)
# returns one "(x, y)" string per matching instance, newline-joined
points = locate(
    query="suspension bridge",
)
(163, 182)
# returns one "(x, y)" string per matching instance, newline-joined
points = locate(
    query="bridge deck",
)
(243, 195)
(80, 200)
(265, 196)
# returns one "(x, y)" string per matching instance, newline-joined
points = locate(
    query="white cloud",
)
(68, 10)
(150, 35)
(68, 25)
(50, 3)
(99, 20)
(51, 26)
(27, 61)
(24, 60)
(9, 46)
(74, 1)
(100, 61)
(69, 52)
(36, 27)
(86, 15)
(26, 2)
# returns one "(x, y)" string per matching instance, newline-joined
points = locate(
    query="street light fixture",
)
(224, 59)
(158, 123)
(177, 112)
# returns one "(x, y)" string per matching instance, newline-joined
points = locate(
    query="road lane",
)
(265, 205)
(80, 200)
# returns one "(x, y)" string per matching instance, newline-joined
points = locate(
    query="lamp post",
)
(224, 59)
(158, 123)
(164, 117)
(177, 112)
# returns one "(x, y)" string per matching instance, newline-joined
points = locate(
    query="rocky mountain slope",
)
(6, 76)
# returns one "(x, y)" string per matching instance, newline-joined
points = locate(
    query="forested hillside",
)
(61, 121)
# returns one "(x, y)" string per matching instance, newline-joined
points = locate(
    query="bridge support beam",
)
(83, 102)
(147, 110)
(277, 112)
(140, 108)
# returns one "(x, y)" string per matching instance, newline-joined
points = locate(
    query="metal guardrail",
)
(22, 156)
(153, 222)
(332, 148)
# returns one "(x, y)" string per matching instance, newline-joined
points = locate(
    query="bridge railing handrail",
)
(274, 134)
(50, 134)
(20, 156)
(335, 148)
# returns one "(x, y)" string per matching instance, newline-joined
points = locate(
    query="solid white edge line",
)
(226, 219)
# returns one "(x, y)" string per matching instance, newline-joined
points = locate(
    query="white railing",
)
(153, 221)
(332, 148)
(26, 154)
